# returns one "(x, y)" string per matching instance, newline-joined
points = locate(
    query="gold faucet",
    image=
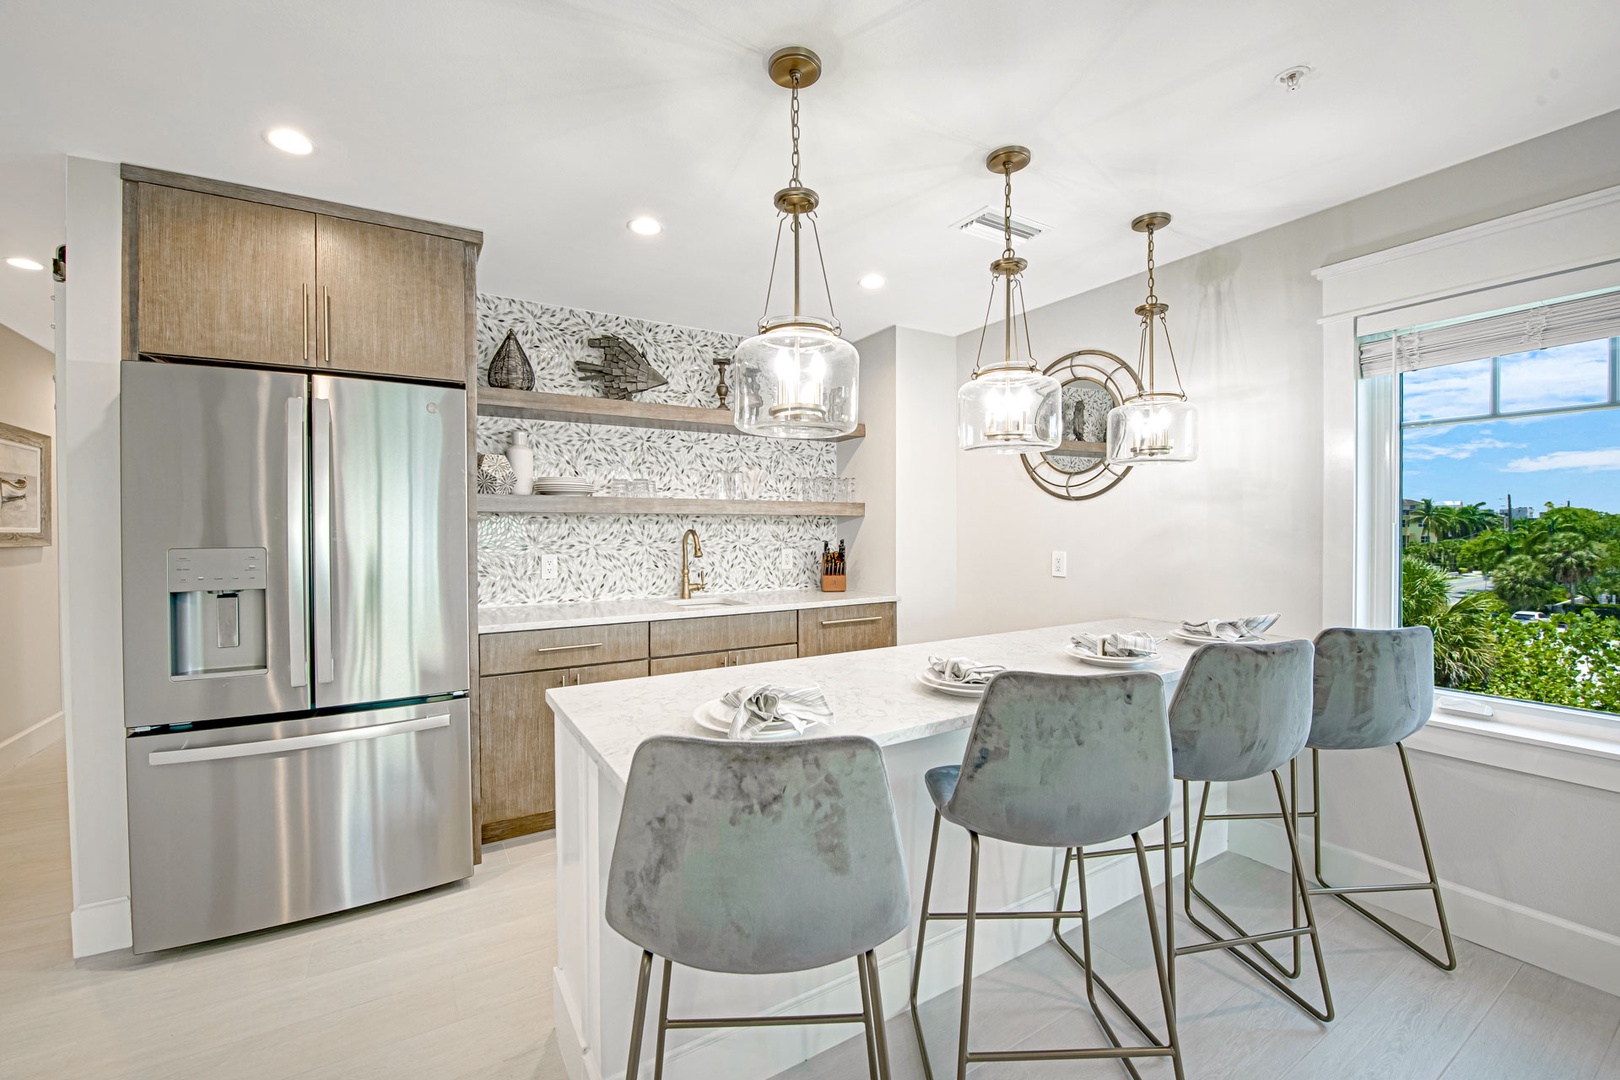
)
(687, 586)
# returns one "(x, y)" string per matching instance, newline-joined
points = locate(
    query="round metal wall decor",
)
(1093, 381)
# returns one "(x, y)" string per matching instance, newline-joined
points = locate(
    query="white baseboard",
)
(102, 927)
(1578, 952)
(30, 741)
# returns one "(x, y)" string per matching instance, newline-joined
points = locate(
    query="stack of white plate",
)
(947, 686)
(714, 716)
(1086, 656)
(563, 485)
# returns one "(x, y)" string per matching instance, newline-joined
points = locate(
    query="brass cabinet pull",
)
(305, 288)
(565, 648)
(848, 622)
(326, 311)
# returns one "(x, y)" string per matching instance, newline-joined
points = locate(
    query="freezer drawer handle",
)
(565, 648)
(297, 742)
(848, 622)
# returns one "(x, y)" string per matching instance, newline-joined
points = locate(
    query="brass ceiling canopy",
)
(784, 62)
(1008, 159)
(1153, 219)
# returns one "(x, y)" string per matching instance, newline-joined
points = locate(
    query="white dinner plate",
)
(1200, 639)
(1109, 661)
(716, 717)
(944, 686)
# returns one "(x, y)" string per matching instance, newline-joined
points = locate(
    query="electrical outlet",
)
(548, 568)
(1060, 564)
(789, 560)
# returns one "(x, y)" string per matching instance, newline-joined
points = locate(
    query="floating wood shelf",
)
(598, 504)
(574, 409)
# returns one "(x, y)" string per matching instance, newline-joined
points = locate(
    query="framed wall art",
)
(25, 488)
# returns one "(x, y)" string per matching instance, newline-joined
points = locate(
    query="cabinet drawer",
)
(845, 629)
(683, 637)
(665, 665)
(547, 650)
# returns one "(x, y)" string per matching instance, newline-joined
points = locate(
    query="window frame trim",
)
(1543, 253)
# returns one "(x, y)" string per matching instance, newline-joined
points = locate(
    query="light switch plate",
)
(1060, 564)
(789, 560)
(549, 570)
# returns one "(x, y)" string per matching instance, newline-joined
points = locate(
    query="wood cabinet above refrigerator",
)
(224, 272)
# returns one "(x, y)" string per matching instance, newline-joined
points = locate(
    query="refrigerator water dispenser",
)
(216, 612)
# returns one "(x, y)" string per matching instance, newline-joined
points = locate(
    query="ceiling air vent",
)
(986, 223)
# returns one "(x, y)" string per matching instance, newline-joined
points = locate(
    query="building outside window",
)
(1510, 520)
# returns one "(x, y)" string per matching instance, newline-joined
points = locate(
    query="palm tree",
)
(1571, 559)
(1429, 518)
(1523, 583)
(1475, 519)
(1465, 648)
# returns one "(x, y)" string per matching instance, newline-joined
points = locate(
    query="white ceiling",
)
(550, 124)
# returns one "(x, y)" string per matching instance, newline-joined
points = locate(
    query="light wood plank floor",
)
(455, 984)
(449, 984)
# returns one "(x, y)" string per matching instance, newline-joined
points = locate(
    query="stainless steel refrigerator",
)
(295, 605)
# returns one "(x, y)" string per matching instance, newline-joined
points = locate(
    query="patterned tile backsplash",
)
(628, 556)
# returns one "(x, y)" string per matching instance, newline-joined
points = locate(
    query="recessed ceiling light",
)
(1291, 78)
(23, 264)
(873, 281)
(289, 140)
(646, 226)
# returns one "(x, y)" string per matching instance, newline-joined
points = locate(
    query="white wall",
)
(30, 655)
(925, 464)
(91, 609)
(1240, 530)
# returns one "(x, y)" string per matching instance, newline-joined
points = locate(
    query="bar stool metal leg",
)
(1299, 894)
(1449, 963)
(866, 1013)
(640, 1020)
(916, 967)
(663, 1020)
(967, 956)
(879, 1025)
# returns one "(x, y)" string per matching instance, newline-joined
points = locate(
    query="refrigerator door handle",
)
(321, 492)
(261, 747)
(297, 642)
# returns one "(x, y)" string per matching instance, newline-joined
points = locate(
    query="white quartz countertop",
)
(494, 619)
(873, 693)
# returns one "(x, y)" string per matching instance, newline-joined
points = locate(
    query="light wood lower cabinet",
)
(667, 665)
(516, 758)
(845, 629)
(517, 767)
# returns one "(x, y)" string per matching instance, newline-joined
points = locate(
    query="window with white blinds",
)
(1539, 326)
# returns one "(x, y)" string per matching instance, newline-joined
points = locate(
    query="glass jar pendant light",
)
(1153, 425)
(797, 378)
(1010, 408)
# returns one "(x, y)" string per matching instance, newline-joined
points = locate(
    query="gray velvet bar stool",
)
(758, 858)
(1058, 761)
(1374, 689)
(1242, 711)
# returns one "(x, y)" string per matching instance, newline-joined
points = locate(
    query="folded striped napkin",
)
(1131, 643)
(1245, 629)
(959, 669)
(756, 706)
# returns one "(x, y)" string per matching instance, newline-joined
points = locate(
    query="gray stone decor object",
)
(495, 475)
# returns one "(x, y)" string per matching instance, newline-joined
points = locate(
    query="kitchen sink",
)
(706, 602)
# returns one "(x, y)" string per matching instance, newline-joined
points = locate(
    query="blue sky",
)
(1572, 457)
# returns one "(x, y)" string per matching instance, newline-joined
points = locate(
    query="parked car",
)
(1529, 616)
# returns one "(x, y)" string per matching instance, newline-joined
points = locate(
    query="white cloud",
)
(1606, 460)
(1424, 451)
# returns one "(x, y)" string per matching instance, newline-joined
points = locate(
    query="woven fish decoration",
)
(623, 370)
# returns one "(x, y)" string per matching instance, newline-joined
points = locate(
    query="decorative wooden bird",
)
(623, 370)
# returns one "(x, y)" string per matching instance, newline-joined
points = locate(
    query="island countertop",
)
(873, 693)
(501, 618)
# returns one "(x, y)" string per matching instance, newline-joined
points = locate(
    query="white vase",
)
(521, 455)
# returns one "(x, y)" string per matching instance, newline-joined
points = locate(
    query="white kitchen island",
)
(875, 694)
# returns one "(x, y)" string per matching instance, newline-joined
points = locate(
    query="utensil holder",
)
(832, 582)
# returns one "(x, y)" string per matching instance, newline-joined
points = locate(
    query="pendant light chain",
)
(793, 127)
(1152, 296)
(1006, 211)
